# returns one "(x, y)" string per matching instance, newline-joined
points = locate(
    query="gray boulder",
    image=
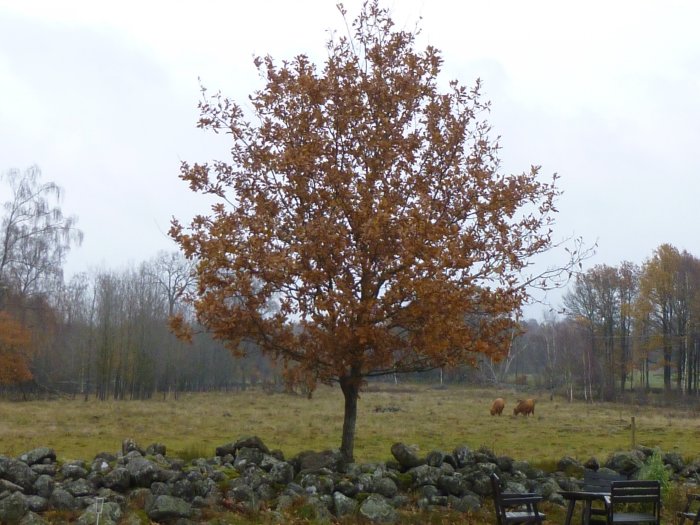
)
(428, 492)
(253, 477)
(463, 456)
(13, 508)
(106, 456)
(252, 442)
(194, 476)
(104, 513)
(400, 501)
(246, 442)
(528, 470)
(626, 463)
(481, 484)
(505, 463)
(484, 455)
(315, 484)
(31, 518)
(467, 503)
(184, 489)
(247, 456)
(447, 468)
(343, 505)
(130, 445)
(378, 510)
(118, 479)
(692, 469)
(242, 493)
(61, 499)
(314, 462)
(675, 461)
(79, 488)
(282, 473)
(425, 475)
(9, 486)
(229, 449)
(549, 489)
(49, 469)
(269, 461)
(74, 470)
(455, 484)
(38, 455)
(265, 492)
(435, 458)
(319, 509)
(364, 482)
(37, 503)
(158, 488)
(163, 508)
(43, 486)
(406, 455)
(17, 472)
(515, 487)
(385, 487)
(142, 471)
(568, 464)
(100, 466)
(346, 487)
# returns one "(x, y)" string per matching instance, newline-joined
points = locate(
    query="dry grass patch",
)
(431, 418)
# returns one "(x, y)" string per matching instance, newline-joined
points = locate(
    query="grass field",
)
(431, 418)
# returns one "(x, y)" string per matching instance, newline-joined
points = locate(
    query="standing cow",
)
(524, 407)
(497, 406)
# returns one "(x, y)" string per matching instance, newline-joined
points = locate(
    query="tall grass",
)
(655, 470)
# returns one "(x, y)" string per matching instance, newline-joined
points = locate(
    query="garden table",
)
(587, 498)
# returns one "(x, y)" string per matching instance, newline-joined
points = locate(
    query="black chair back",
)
(644, 497)
(514, 508)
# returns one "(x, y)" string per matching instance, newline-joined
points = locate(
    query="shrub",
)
(654, 469)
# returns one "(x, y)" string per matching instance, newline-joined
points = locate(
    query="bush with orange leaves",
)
(15, 350)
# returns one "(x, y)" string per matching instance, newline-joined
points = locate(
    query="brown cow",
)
(524, 407)
(497, 406)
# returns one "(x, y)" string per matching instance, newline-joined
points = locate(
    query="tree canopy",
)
(362, 225)
(35, 237)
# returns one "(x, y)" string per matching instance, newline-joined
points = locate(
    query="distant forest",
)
(107, 334)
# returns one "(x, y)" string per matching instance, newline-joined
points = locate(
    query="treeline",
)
(621, 328)
(107, 333)
(103, 334)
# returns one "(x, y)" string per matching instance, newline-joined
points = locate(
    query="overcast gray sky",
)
(102, 97)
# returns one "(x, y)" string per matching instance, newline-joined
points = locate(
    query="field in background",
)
(432, 418)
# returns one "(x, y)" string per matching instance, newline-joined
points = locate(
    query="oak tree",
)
(362, 225)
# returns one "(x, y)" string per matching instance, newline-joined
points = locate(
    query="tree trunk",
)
(350, 385)
(668, 355)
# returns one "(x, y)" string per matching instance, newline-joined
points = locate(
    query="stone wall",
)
(136, 485)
